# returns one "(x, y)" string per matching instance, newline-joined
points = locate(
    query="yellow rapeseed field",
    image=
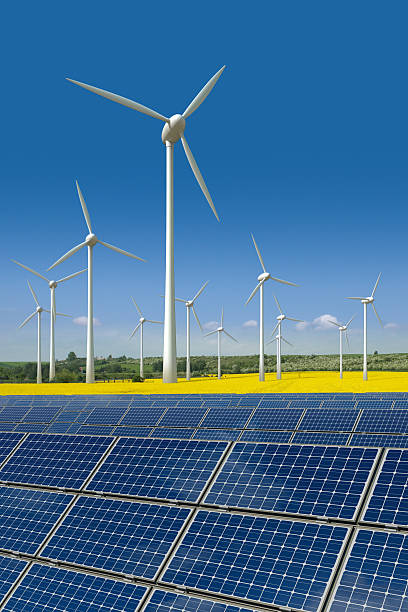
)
(292, 382)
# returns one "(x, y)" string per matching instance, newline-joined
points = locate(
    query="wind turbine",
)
(190, 306)
(280, 318)
(90, 241)
(219, 331)
(365, 301)
(52, 285)
(342, 329)
(37, 312)
(173, 131)
(142, 321)
(262, 278)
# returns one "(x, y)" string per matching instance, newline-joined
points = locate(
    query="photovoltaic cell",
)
(389, 500)
(280, 562)
(7, 426)
(374, 403)
(115, 535)
(227, 418)
(383, 421)
(275, 418)
(96, 430)
(10, 569)
(54, 460)
(315, 480)
(30, 427)
(182, 417)
(306, 403)
(45, 588)
(58, 428)
(266, 436)
(321, 419)
(172, 432)
(401, 404)
(330, 404)
(273, 403)
(165, 469)
(136, 432)
(142, 417)
(313, 437)
(14, 413)
(41, 415)
(105, 416)
(375, 576)
(164, 601)
(384, 440)
(7, 442)
(217, 434)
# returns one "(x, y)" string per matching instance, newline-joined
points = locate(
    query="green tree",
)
(71, 356)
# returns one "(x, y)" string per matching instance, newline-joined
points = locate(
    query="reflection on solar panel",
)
(172, 432)
(142, 417)
(163, 601)
(96, 430)
(116, 535)
(386, 421)
(393, 441)
(217, 434)
(10, 569)
(165, 469)
(227, 417)
(313, 437)
(27, 516)
(266, 436)
(321, 419)
(54, 460)
(286, 563)
(315, 480)
(389, 500)
(274, 418)
(375, 576)
(182, 417)
(7, 442)
(52, 588)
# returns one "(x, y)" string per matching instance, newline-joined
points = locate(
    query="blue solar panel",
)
(10, 569)
(305, 403)
(329, 404)
(68, 416)
(41, 415)
(27, 516)
(280, 562)
(54, 460)
(193, 403)
(30, 427)
(183, 417)
(172, 432)
(7, 442)
(273, 403)
(105, 416)
(142, 417)
(14, 413)
(115, 535)
(389, 501)
(386, 421)
(7, 426)
(96, 430)
(274, 418)
(372, 404)
(58, 428)
(217, 434)
(227, 417)
(402, 404)
(165, 469)
(46, 588)
(315, 480)
(266, 436)
(165, 601)
(390, 440)
(249, 401)
(375, 576)
(321, 419)
(313, 437)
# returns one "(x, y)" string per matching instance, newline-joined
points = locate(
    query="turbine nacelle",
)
(52, 284)
(281, 317)
(142, 320)
(264, 276)
(91, 240)
(343, 328)
(220, 329)
(189, 304)
(367, 300)
(174, 129)
(39, 309)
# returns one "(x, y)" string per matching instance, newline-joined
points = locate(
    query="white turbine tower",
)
(190, 306)
(280, 318)
(52, 285)
(262, 278)
(90, 241)
(37, 312)
(219, 331)
(342, 330)
(142, 321)
(173, 131)
(365, 301)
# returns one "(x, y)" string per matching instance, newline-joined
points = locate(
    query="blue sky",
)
(303, 141)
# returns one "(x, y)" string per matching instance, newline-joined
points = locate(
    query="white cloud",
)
(391, 326)
(302, 325)
(250, 323)
(210, 325)
(84, 321)
(319, 323)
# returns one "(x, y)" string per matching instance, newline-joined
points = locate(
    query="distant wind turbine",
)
(52, 285)
(190, 306)
(173, 131)
(262, 278)
(342, 329)
(37, 312)
(90, 241)
(365, 301)
(280, 318)
(142, 321)
(219, 331)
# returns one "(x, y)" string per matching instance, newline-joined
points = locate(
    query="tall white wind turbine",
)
(90, 241)
(142, 321)
(37, 312)
(342, 330)
(173, 131)
(278, 338)
(262, 278)
(52, 285)
(219, 331)
(190, 306)
(365, 301)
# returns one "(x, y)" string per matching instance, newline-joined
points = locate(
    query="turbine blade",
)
(376, 284)
(29, 269)
(355, 298)
(28, 319)
(334, 323)
(84, 208)
(120, 100)
(347, 338)
(377, 315)
(287, 341)
(196, 318)
(200, 292)
(62, 280)
(278, 305)
(259, 253)
(137, 307)
(33, 293)
(64, 257)
(201, 96)
(61, 314)
(198, 175)
(275, 328)
(150, 321)
(279, 280)
(118, 250)
(297, 320)
(222, 316)
(272, 340)
(253, 293)
(213, 332)
(347, 324)
(229, 336)
(177, 299)
(134, 331)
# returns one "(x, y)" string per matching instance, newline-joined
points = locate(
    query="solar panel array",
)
(216, 504)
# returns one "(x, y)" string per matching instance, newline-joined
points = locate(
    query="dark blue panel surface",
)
(116, 535)
(96, 430)
(256, 435)
(384, 440)
(172, 432)
(14, 413)
(275, 418)
(164, 601)
(322, 419)
(41, 415)
(227, 418)
(30, 427)
(273, 403)
(374, 403)
(217, 434)
(280, 562)
(109, 415)
(313, 437)
(338, 403)
(383, 421)
(182, 417)
(10, 569)
(7, 442)
(142, 417)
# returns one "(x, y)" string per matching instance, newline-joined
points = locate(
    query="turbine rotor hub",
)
(368, 300)
(142, 320)
(174, 129)
(281, 317)
(220, 329)
(52, 284)
(91, 240)
(39, 309)
(343, 328)
(189, 303)
(264, 276)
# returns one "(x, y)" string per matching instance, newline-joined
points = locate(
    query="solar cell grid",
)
(226, 418)
(14, 413)
(317, 437)
(275, 418)
(182, 417)
(383, 421)
(7, 426)
(7, 442)
(322, 419)
(249, 401)
(138, 432)
(377, 403)
(305, 403)
(257, 435)
(382, 440)
(217, 434)
(335, 403)
(280, 562)
(96, 430)
(10, 569)
(165, 601)
(30, 427)
(105, 416)
(142, 417)
(121, 536)
(193, 403)
(401, 404)
(172, 432)
(273, 403)
(58, 428)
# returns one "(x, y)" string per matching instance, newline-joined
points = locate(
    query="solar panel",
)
(183, 417)
(14, 413)
(67, 416)
(51, 588)
(10, 569)
(375, 576)
(249, 401)
(58, 428)
(314, 480)
(383, 421)
(116, 535)
(41, 415)
(7, 426)
(316, 437)
(54, 460)
(105, 416)
(375, 403)
(321, 419)
(96, 430)
(305, 403)
(266, 436)
(165, 601)
(280, 562)
(142, 417)
(274, 418)
(165, 469)
(136, 432)
(389, 501)
(217, 434)
(336, 403)
(384, 440)
(30, 427)
(27, 516)
(273, 403)
(402, 404)
(172, 432)
(227, 418)
(7, 442)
